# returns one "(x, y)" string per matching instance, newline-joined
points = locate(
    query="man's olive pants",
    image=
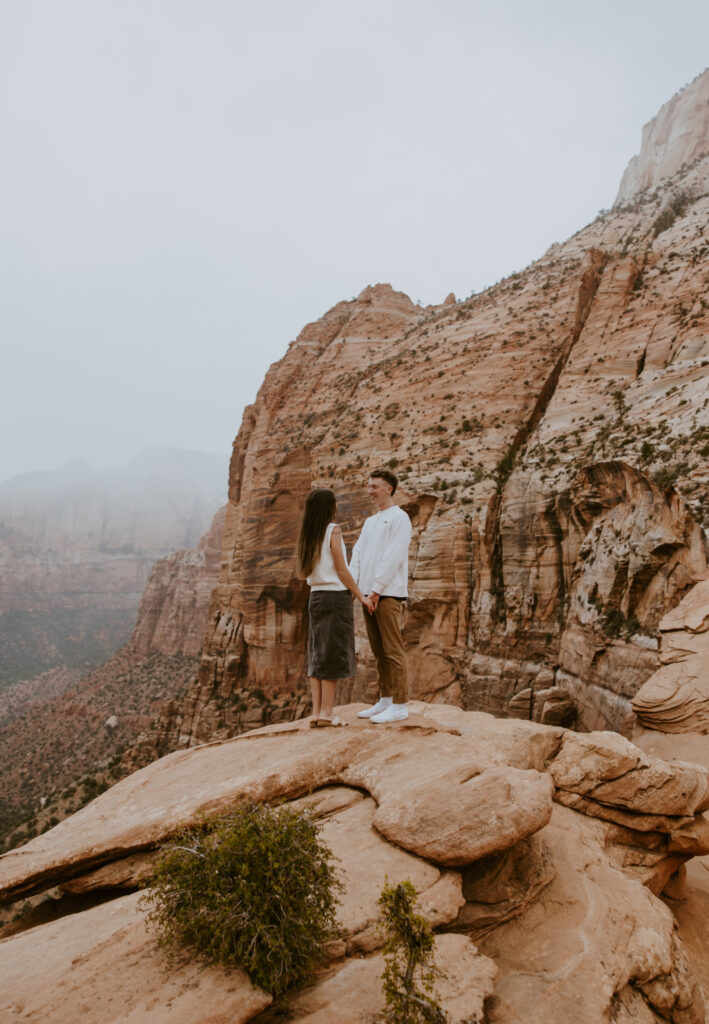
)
(384, 632)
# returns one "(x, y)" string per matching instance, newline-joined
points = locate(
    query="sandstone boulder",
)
(455, 820)
(596, 946)
(609, 769)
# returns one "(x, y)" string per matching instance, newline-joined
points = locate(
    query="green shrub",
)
(255, 889)
(410, 973)
(615, 624)
(666, 476)
(674, 209)
(647, 452)
(504, 468)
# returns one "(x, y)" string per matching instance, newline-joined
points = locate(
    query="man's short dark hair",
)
(386, 474)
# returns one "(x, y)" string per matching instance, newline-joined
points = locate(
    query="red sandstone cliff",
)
(551, 435)
(552, 438)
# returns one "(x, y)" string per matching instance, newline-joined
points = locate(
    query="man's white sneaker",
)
(381, 705)
(394, 713)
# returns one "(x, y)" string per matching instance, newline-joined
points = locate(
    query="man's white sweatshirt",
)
(380, 558)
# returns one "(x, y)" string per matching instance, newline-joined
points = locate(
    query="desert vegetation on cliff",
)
(255, 889)
(410, 973)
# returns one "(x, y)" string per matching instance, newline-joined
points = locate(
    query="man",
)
(380, 565)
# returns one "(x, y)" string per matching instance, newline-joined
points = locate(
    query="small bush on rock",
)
(255, 889)
(410, 973)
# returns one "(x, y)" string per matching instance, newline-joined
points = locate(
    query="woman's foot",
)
(327, 722)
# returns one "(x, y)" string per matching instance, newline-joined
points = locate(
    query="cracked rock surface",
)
(538, 907)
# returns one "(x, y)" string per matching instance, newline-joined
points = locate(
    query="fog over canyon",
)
(551, 435)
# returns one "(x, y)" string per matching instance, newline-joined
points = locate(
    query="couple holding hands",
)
(377, 575)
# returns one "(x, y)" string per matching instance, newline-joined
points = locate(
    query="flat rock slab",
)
(104, 966)
(473, 784)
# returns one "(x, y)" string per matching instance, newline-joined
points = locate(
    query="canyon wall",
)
(551, 435)
(552, 439)
(173, 609)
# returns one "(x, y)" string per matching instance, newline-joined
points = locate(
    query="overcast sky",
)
(184, 184)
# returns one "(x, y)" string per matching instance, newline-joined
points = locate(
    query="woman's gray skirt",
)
(331, 634)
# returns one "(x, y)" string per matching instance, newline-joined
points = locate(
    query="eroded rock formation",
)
(536, 853)
(676, 697)
(551, 435)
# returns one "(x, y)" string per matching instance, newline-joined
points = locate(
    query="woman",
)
(322, 559)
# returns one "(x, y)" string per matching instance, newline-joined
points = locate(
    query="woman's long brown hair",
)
(319, 512)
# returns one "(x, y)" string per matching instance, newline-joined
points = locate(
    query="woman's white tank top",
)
(324, 575)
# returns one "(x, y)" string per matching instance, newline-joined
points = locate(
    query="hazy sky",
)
(186, 183)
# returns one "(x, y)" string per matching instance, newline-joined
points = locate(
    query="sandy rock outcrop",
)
(688, 894)
(676, 697)
(104, 965)
(548, 917)
(620, 958)
(677, 135)
(508, 763)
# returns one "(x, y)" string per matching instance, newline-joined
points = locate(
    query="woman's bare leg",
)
(328, 697)
(316, 691)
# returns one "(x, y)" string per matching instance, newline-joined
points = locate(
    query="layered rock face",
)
(173, 609)
(676, 697)
(537, 854)
(677, 135)
(552, 440)
(77, 546)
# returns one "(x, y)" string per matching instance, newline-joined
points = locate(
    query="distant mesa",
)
(77, 545)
